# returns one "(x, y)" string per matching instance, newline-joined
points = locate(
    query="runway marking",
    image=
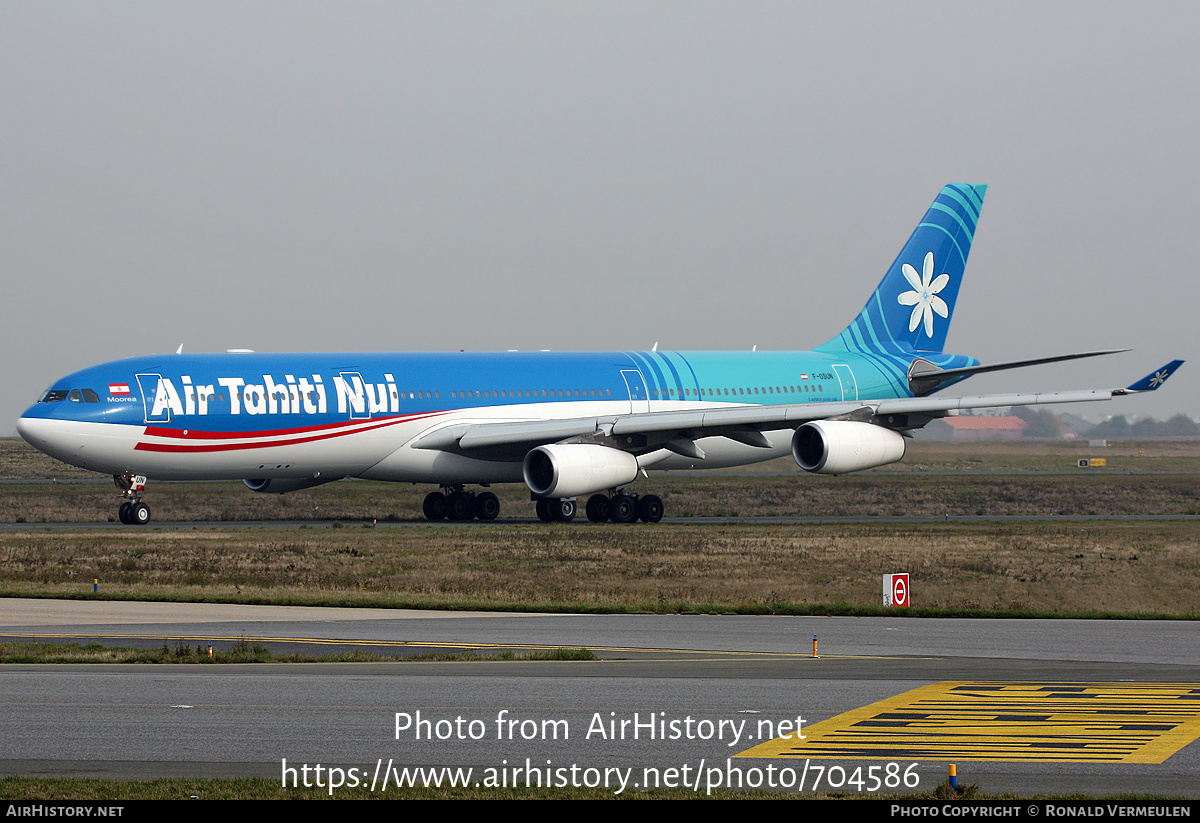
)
(1019, 721)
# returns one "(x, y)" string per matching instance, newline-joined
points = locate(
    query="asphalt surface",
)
(722, 684)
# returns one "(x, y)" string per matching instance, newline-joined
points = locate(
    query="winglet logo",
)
(1159, 378)
(923, 298)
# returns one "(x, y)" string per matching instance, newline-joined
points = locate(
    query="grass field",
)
(1055, 567)
(1063, 568)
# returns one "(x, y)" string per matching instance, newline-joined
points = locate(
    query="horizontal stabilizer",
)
(924, 377)
(1016, 364)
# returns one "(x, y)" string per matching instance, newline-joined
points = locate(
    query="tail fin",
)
(910, 311)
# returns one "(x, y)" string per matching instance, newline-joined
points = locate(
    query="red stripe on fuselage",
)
(269, 439)
(196, 434)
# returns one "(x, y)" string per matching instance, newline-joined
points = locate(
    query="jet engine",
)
(283, 485)
(572, 469)
(841, 446)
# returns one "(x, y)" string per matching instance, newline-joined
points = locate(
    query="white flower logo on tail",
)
(923, 298)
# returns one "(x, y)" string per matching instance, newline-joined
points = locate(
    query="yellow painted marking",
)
(1043, 722)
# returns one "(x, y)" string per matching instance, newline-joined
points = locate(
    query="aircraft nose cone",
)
(75, 442)
(53, 437)
(36, 432)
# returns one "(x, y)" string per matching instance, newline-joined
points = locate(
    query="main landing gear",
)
(133, 512)
(455, 503)
(602, 508)
(624, 508)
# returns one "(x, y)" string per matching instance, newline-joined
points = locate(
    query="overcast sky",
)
(569, 175)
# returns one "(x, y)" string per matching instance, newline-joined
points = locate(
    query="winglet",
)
(1156, 378)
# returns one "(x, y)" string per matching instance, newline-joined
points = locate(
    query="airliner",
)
(567, 425)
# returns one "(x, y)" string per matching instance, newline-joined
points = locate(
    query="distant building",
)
(1074, 425)
(969, 427)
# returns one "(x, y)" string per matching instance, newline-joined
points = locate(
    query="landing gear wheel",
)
(623, 509)
(597, 508)
(459, 506)
(555, 509)
(487, 506)
(123, 513)
(563, 509)
(139, 513)
(650, 508)
(435, 506)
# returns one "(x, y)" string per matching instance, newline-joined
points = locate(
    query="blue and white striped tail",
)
(911, 309)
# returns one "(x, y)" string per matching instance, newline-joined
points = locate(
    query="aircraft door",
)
(352, 391)
(639, 398)
(149, 385)
(849, 385)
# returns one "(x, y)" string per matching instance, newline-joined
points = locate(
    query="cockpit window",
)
(74, 395)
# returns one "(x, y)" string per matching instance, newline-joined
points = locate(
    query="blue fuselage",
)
(230, 416)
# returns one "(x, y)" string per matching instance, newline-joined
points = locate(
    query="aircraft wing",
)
(673, 429)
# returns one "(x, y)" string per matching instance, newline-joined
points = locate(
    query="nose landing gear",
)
(133, 512)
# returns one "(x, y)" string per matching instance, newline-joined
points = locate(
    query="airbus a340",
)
(568, 425)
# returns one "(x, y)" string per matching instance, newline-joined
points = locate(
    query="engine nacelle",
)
(283, 485)
(841, 446)
(572, 469)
